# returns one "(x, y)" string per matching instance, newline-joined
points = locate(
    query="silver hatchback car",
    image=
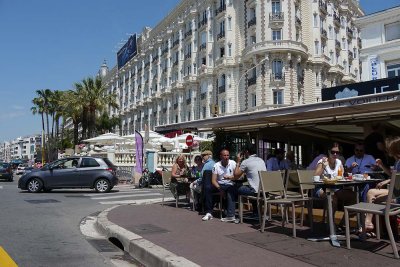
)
(71, 172)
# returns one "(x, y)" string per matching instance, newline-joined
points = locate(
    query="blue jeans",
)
(246, 190)
(230, 194)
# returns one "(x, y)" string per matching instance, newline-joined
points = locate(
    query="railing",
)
(298, 20)
(252, 22)
(220, 10)
(203, 46)
(337, 45)
(188, 33)
(175, 43)
(251, 81)
(351, 56)
(323, 7)
(278, 77)
(324, 34)
(336, 19)
(276, 16)
(278, 45)
(349, 33)
(202, 23)
(221, 89)
(188, 55)
(167, 159)
(164, 51)
(221, 35)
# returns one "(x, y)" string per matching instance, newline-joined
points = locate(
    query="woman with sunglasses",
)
(331, 167)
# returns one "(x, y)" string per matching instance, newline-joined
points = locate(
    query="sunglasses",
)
(335, 152)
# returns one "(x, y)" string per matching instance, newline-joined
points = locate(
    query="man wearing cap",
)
(277, 162)
(207, 160)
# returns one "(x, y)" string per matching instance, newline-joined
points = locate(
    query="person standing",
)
(222, 176)
(250, 166)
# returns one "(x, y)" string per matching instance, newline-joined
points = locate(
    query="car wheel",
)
(102, 186)
(35, 185)
(142, 183)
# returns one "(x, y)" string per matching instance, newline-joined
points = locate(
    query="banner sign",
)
(139, 152)
(374, 65)
(127, 52)
(360, 89)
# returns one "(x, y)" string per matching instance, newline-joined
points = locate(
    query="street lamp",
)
(241, 77)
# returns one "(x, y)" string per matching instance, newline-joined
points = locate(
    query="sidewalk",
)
(167, 236)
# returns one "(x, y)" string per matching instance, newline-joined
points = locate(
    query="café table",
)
(330, 190)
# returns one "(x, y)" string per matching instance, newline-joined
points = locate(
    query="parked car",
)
(6, 171)
(21, 168)
(71, 172)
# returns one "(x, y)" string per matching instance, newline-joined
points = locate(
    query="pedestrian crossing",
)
(130, 195)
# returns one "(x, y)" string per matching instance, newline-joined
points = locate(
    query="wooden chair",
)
(272, 182)
(384, 209)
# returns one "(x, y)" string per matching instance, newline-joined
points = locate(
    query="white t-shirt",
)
(220, 171)
(332, 172)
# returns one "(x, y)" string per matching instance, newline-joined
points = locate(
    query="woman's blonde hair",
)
(393, 146)
(180, 156)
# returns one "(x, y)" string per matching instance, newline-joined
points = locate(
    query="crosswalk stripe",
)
(125, 196)
(112, 193)
(137, 202)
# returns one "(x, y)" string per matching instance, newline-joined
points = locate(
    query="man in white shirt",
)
(223, 174)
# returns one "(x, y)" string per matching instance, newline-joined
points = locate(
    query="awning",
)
(382, 106)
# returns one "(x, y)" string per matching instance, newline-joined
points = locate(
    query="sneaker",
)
(228, 219)
(207, 217)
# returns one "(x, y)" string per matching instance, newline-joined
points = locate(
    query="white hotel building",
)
(209, 58)
(380, 54)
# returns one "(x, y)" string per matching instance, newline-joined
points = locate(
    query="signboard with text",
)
(360, 89)
(127, 52)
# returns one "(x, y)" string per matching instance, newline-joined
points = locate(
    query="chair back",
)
(292, 181)
(394, 189)
(166, 177)
(271, 181)
(306, 179)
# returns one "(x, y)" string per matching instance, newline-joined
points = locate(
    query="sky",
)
(53, 44)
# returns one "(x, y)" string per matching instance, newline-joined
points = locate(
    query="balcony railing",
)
(278, 77)
(351, 56)
(252, 22)
(202, 23)
(276, 16)
(336, 19)
(220, 10)
(175, 43)
(175, 63)
(349, 33)
(323, 7)
(324, 34)
(188, 33)
(251, 81)
(154, 59)
(221, 89)
(300, 80)
(221, 35)
(188, 55)
(203, 46)
(298, 20)
(164, 51)
(337, 45)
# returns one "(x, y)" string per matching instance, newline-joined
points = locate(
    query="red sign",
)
(189, 140)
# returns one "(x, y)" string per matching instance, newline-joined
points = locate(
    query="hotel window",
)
(315, 20)
(276, 6)
(229, 50)
(204, 111)
(277, 34)
(316, 49)
(253, 100)
(229, 23)
(393, 70)
(210, 36)
(223, 106)
(330, 32)
(277, 67)
(253, 39)
(392, 31)
(278, 97)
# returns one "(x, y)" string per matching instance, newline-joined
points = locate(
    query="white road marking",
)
(138, 201)
(124, 196)
(114, 193)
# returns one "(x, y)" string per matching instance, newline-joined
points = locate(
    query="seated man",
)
(223, 173)
(277, 162)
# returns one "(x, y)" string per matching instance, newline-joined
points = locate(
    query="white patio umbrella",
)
(105, 139)
(152, 135)
(182, 138)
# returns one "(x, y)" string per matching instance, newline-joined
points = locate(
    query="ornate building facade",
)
(212, 58)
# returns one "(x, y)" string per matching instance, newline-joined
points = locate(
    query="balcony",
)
(154, 59)
(203, 47)
(164, 51)
(252, 22)
(202, 23)
(351, 56)
(277, 79)
(336, 20)
(300, 80)
(337, 45)
(220, 10)
(175, 63)
(175, 43)
(349, 33)
(324, 34)
(251, 81)
(188, 33)
(188, 56)
(220, 36)
(275, 46)
(276, 18)
(221, 89)
(188, 101)
(203, 96)
(298, 21)
(175, 105)
(323, 7)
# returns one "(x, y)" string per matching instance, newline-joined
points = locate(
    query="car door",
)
(89, 170)
(63, 173)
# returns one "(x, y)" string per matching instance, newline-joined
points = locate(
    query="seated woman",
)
(195, 187)
(379, 194)
(332, 166)
(179, 177)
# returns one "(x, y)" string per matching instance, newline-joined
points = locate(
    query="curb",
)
(139, 248)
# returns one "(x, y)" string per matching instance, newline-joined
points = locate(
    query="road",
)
(44, 229)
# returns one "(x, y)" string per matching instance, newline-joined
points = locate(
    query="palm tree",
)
(73, 109)
(96, 98)
(38, 109)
